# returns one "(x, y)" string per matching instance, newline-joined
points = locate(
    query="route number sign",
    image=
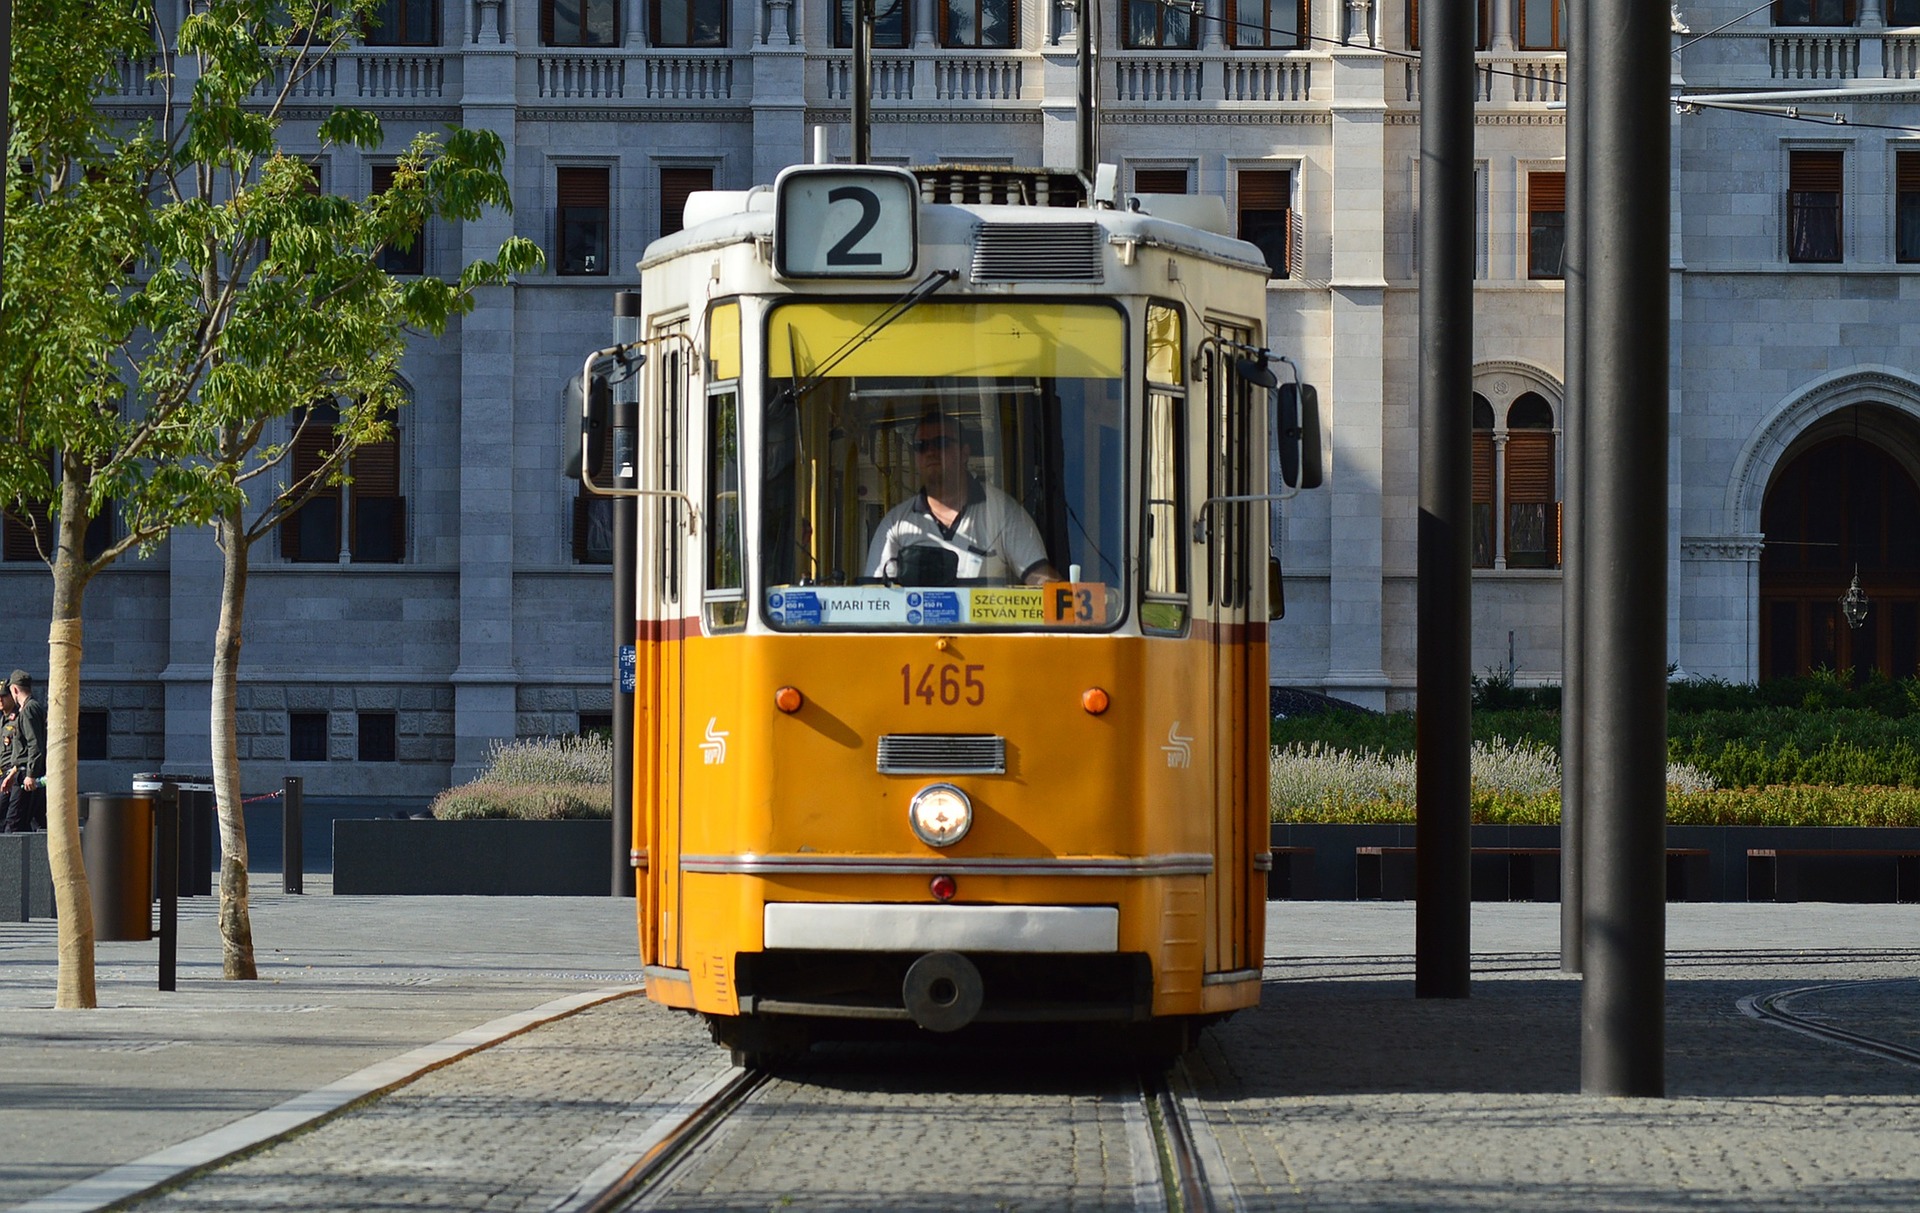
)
(833, 221)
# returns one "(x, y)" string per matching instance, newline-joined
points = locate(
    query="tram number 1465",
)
(947, 684)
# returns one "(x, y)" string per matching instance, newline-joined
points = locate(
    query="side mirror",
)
(1297, 434)
(595, 412)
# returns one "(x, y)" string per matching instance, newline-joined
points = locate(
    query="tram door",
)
(1231, 447)
(662, 535)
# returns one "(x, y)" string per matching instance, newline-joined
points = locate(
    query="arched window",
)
(1516, 509)
(371, 511)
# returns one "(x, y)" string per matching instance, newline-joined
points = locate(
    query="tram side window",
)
(1165, 608)
(726, 580)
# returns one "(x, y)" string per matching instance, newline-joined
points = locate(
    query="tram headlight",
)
(940, 814)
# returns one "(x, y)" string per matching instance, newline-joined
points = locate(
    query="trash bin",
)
(116, 847)
(199, 827)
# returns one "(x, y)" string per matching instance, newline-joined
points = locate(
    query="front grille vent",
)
(1027, 252)
(942, 754)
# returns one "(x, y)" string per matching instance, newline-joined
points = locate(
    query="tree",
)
(237, 295)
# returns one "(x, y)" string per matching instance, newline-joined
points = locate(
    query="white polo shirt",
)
(992, 536)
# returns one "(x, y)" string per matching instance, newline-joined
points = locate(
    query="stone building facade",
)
(460, 600)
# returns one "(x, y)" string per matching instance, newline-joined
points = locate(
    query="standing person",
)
(29, 808)
(9, 728)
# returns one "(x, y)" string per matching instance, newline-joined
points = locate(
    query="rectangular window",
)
(1546, 224)
(95, 734)
(1164, 563)
(376, 512)
(890, 26)
(596, 724)
(1267, 24)
(676, 186)
(376, 737)
(690, 22)
(307, 736)
(984, 24)
(1540, 26)
(579, 22)
(1903, 12)
(726, 578)
(583, 197)
(1813, 206)
(1483, 36)
(1906, 205)
(1815, 12)
(406, 256)
(1159, 181)
(1533, 517)
(1152, 25)
(1266, 215)
(402, 23)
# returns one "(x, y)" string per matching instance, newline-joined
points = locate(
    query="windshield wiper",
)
(800, 387)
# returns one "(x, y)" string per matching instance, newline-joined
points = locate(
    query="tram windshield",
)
(959, 467)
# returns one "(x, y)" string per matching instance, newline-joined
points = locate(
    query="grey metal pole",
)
(626, 549)
(1573, 421)
(1443, 854)
(293, 848)
(1623, 996)
(862, 81)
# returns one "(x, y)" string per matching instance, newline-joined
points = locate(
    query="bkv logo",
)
(1179, 750)
(714, 749)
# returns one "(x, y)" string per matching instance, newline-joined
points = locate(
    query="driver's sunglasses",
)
(937, 443)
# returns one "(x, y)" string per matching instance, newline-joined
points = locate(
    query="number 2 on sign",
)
(946, 684)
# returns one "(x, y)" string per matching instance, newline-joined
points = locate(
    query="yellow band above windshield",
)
(1039, 340)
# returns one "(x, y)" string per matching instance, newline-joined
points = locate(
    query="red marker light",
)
(788, 699)
(1094, 700)
(943, 887)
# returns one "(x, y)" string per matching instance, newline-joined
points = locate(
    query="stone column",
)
(1354, 377)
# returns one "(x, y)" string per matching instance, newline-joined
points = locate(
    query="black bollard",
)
(292, 849)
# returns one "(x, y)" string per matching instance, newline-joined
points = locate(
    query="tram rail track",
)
(1176, 1146)
(1772, 1008)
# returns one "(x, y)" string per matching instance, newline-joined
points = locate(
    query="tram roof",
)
(1194, 225)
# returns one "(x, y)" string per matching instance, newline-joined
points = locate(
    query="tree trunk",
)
(236, 926)
(74, 987)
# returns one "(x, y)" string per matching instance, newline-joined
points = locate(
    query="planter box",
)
(1321, 863)
(488, 858)
(26, 882)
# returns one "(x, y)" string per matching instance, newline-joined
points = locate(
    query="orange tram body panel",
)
(951, 584)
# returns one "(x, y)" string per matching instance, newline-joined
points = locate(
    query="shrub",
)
(485, 798)
(537, 779)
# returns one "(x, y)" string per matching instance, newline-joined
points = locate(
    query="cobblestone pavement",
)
(1340, 1092)
(1345, 1093)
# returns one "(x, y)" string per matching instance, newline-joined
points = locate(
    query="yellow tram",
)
(952, 586)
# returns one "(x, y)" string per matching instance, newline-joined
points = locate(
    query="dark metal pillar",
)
(1442, 891)
(1087, 94)
(626, 539)
(293, 843)
(1573, 555)
(863, 81)
(167, 812)
(1623, 997)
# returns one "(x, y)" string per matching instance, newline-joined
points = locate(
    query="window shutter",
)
(20, 531)
(1265, 189)
(1483, 467)
(383, 177)
(375, 468)
(582, 186)
(309, 452)
(1906, 173)
(546, 22)
(1814, 172)
(1160, 181)
(676, 184)
(1547, 191)
(1529, 466)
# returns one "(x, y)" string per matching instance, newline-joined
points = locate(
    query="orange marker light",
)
(1094, 700)
(788, 699)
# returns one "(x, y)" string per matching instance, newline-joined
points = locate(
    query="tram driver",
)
(990, 537)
